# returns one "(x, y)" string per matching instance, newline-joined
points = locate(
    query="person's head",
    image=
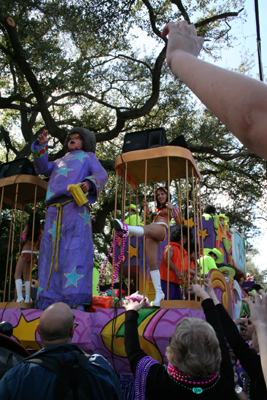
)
(194, 248)
(194, 348)
(80, 139)
(210, 210)
(176, 234)
(247, 289)
(131, 208)
(246, 330)
(227, 271)
(256, 287)
(75, 142)
(213, 255)
(56, 325)
(161, 196)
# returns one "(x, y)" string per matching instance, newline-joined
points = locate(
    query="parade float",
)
(100, 328)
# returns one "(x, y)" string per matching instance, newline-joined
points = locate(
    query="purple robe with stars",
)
(66, 253)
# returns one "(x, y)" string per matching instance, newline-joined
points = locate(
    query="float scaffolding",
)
(102, 331)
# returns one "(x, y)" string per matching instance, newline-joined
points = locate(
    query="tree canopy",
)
(67, 63)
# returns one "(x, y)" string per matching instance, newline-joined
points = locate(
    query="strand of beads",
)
(184, 380)
(142, 370)
(116, 265)
(180, 376)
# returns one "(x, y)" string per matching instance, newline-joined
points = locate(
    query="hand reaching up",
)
(43, 137)
(211, 292)
(258, 309)
(134, 305)
(199, 291)
(182, 37)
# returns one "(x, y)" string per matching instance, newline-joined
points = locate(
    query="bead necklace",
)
(116, 265)
(184, 379)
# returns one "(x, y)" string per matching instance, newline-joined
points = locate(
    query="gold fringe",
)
(57, 238)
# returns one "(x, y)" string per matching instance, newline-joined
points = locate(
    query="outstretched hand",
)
(199, 291)
(211, 292)
(182, 37)
(43, 137)
(134, 305)
(258, 309)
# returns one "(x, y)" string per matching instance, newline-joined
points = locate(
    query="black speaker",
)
(144, 139)
(17, 167)
(179, 141)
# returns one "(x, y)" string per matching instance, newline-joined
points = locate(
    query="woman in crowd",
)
(27, 254)
(155, 231)
(199, 361)
(249, 359)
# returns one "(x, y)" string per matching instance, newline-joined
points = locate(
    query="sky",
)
(245, 33)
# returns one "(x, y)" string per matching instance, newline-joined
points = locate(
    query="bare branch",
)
(182, 10)
(226, 157)
(152, 18)
(217, 17)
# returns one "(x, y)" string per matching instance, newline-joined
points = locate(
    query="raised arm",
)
(258, 316)
(237, 100)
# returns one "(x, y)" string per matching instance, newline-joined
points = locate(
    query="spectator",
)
(259, 317)
(237, 100)
(246, 328)
(31, 380)
(248, 357)
(195, 355)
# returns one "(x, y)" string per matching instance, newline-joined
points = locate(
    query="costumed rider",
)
(227, 272)
(178, 263)
(209, 212)
(66, 252)
(211, 258)
(28, 256)
(133, 218)
(155, 231)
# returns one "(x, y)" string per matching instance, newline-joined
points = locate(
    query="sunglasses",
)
(74, 136)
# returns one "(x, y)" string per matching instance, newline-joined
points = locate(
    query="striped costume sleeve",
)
(176, 215)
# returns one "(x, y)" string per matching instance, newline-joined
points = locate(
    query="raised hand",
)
(43, 137)
(199, 291)
(182, 37)
(258, 309)
(211, 292)
(134, 305)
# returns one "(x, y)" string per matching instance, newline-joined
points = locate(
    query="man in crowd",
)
(31, 380)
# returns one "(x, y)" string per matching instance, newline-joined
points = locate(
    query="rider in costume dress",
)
(66, 252)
